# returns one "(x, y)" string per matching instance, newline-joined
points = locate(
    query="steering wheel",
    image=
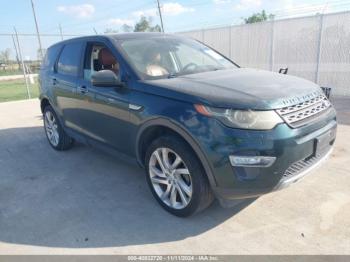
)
(187, 67)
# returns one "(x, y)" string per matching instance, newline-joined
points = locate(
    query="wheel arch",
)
(160, 126)
(43, 103)
(46, 101)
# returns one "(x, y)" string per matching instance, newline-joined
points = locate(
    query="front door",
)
(106, 109)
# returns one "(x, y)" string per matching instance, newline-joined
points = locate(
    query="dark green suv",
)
(200, 125)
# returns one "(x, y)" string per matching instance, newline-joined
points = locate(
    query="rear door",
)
(65, 82)
(47, 71)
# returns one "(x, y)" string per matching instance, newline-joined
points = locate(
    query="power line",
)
(105, 15)
(204, 24)
(280, 13)
(299, 10)
(34, 34)
(295, 11)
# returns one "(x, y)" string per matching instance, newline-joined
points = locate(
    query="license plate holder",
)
(323, 142)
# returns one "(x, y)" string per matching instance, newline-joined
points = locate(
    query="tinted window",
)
(162, 57)
(51, 56)
(69, 60)
(99, 57)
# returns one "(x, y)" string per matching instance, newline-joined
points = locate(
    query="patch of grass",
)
(16, 90)
(11, 72)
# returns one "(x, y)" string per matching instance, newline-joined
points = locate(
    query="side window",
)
(99, 57)
(69, 61)
(51, 56)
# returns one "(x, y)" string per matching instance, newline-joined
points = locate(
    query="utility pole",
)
(60, 27)
(23, 66)
(17, 57)
(37, 32)
(95, 30)
(160, 16)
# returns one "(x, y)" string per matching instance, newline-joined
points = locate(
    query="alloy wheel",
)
(170, 178)
(51, 128)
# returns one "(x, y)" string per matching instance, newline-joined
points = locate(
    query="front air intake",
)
(299, 114)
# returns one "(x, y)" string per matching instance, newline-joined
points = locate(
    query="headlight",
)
(245, 119)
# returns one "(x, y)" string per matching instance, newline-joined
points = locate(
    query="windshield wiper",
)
(173, 75)
(176, 74)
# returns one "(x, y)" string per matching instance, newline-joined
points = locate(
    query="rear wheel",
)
(176, 177)
(55, 134)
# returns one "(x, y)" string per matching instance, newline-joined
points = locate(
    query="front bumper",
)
(301, 169)
(295, 151)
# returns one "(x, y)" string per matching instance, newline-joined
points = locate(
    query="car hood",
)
(239, 88)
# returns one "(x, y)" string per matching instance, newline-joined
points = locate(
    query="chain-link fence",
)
(20, 59)
(316, 47)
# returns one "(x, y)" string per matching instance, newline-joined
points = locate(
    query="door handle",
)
(82, 89)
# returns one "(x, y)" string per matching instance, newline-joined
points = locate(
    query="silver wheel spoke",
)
(182, 195)
(159, 180)
(184, 187)
(56, 137)
(157, 172)
(47, 119)
(160, 162)
(173, 196)
(165, 195)
(176, 162)
(165, 157)
(182, 171)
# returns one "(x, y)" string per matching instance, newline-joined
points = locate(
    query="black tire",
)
(202, 195)
(65, 142)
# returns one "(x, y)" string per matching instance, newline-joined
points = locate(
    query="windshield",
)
(161, 57)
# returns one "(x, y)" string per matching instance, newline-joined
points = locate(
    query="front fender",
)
(181, 131)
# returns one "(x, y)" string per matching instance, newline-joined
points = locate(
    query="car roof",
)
(122, 36)
(140, 35)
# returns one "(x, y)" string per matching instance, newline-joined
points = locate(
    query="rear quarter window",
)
(70, 58)
(51, 57)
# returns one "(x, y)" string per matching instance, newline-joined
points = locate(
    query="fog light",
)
(252, 161)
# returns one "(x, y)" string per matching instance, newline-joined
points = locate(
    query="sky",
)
(81, 17)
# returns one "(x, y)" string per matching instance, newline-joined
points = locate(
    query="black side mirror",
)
(106, 78)
(283, 71)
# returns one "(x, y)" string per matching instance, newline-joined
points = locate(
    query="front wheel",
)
(176, 177)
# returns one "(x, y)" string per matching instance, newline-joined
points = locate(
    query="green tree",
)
(39, 52)
(111, 31)
(127, 28)
(5, 55)
(258, 17)
(145, 25)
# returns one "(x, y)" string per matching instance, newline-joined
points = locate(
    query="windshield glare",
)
(162, 57)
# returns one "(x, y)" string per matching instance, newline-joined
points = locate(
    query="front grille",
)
(299, 114)
(302, 165)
